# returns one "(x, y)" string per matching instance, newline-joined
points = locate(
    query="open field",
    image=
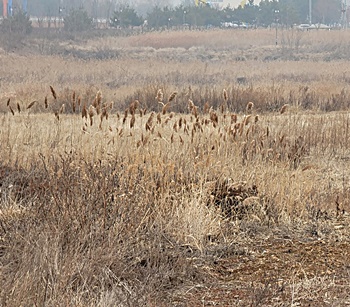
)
(189, 169)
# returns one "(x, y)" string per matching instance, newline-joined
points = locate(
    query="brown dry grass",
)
(134, 205)
(124, 213)
(270, 74)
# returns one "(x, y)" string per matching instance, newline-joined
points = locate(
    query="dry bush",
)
(96, 228)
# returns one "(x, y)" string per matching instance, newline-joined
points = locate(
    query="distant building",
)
(232, 3)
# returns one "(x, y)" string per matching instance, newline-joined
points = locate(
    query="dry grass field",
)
(176, 169)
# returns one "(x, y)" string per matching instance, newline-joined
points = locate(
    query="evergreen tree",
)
(78, 21)
(126, 17)
(19, 23)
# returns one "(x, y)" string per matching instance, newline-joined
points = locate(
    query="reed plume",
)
(172, 96)
(133, 106)
(165, 108)
(99, 97)
(84, 112)
(160, 96)
(53, 92)
(132, 121)
(149, 122)
(73, 102)
(247, 120)
(224, 92)
(250, 106)
(31, 104)
(233, 118)
(92, 111)
(126, 112)
(104, 112)
(284, 109)
(13, 113)
(206, 108)
(62, 108)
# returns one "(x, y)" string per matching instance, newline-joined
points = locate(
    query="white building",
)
(231, 3)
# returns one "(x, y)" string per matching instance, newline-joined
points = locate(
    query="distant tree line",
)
(267, 12)
(285, 12)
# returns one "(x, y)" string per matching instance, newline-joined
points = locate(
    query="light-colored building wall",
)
(231, 3)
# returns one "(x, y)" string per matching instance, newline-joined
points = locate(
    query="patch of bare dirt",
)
(276, 272)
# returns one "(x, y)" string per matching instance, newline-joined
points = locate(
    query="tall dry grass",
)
(250, 68)
(131, 190)
(114, 212)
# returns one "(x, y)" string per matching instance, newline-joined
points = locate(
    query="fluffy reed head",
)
(247, 119)
(62, 109)
(149, 122)
(165, 108)
(53, 92)
(84, 112)
(160, 95)
(233, 118)
(126, 112)
(172, 96)
(73, 102)
(190, 105)
(132, 121)
(11, 110)
(206, 108)
(284, 108)
(99, 97)
(91, 112)
(250, 106)
(31, 104)
(133, 106)
(224, 93)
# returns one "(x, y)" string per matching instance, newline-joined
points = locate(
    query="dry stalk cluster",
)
(125, 206)
(235, 199)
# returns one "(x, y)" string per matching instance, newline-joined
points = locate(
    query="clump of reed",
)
(147, 192)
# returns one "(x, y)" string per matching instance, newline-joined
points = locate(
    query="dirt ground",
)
(279, 270)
